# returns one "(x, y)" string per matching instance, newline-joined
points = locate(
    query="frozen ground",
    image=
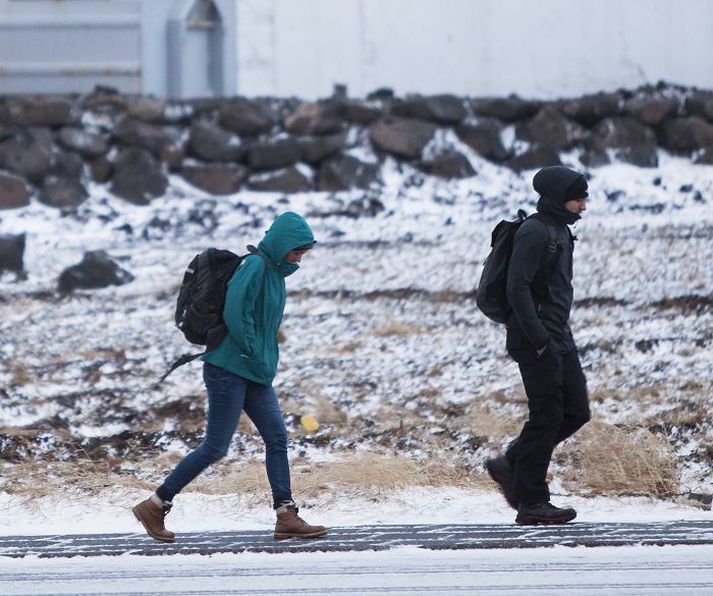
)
(383, 342)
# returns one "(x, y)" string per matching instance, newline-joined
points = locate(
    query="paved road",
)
(621, 571)
(361, 538)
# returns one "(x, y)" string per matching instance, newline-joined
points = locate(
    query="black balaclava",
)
(556, 185)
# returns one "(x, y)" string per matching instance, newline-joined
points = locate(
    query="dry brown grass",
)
(396, 329)
(609, 460)
(368, 475)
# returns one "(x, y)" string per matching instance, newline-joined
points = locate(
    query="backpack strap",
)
(186, 358)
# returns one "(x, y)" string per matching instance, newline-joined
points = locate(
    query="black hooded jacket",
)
(539, 285)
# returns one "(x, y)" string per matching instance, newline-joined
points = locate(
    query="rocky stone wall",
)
(51, 147)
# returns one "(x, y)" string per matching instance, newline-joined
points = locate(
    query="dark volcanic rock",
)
(288, 180)
(643, 156)
(616, 133)
(216, 179)
(441, 109)
(343, 172)
(593, 158)
(137, 176)
(67, 165)
(43, 111)
(317, 149)
(24, 156)
(314, 119)
(359, 112)
(402, 136)
(700, 103)
(134, 133)
(484, 137)
(210, 143)
(506, 109)
(271, 156)
(96, 270)
(13, 192)
(538, 156)
(12, 251)
(245, 117)
(590, 109)
(683, 135)
(85, 143)
(550, 127)
(101, 169)
(650, 110)
(62, 192)
(450, 164)
(706, 157)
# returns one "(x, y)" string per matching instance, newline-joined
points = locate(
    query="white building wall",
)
(535, 48)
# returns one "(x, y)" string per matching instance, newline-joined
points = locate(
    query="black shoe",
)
(502, 472)
(543, 513)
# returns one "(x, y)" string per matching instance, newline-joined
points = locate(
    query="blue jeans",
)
(228, 395)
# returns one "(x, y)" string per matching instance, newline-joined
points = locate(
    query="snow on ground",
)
(383, 342)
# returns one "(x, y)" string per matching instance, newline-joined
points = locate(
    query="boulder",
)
(593, 158)
(217, 179)
(12, 251)
(13, 192)
(245, 117)
(317, 149)
(683, 135)
(650, 110)
(705, 157)
(590, 109)
(96, 270)
(359, 112)
(87, 144)
(101, 169)
(620, 132)
(43, 111)
(274, 155)
(643, 155)
(148, 109)
(62, 192)
(444, 109)
(550, 127)
(314, 119)
(288, 180)
(210, 143)
(404, 137)
(700, 103)
(343, 172)
(134, 133)
(485, 138)
(22, 155)
(537, 156)
(67, 165)
(449, 164)
(506, 109)
(137, 176)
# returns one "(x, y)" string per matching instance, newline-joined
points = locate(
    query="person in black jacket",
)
(539, 291)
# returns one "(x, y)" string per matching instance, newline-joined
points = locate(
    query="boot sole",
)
(286, 535)
(149, 532)
(533, 520)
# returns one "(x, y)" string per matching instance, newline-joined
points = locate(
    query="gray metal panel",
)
(47, 46)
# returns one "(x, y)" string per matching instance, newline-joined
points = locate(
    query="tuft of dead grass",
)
(609, 460)
(396, 329)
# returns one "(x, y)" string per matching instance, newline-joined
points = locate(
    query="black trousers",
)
(558, 407)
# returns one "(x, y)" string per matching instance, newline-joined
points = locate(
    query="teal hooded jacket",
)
(255, 302)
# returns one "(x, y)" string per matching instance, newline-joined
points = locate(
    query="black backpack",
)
(491, 296)
(201, 299)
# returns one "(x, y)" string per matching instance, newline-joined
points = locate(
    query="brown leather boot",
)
(291, 525)
(151, 516)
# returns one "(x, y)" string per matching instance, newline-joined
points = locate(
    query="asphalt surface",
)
(368, 538)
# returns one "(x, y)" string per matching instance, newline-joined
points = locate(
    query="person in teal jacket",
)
(238, 376)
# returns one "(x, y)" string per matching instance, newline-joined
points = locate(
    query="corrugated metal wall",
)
(59, 46)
